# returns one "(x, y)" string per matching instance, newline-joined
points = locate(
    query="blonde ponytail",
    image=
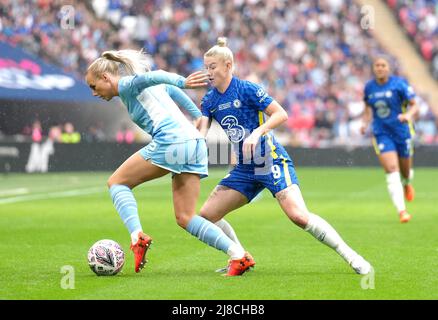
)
(122, 62)
(222, 41)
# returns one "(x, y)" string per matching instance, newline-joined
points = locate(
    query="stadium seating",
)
(313, 56)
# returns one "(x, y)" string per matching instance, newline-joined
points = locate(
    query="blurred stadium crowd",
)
(313, 56)
(420, 20)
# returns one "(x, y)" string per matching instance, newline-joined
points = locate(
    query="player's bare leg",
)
(390, 163)
(221, 201)
(186, 188)
(407, 173)
(134, 171)
(292, 203)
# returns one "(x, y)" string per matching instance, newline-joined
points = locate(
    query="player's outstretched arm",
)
(195, 80)
(183, 101)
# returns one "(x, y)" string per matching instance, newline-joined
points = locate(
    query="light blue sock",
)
(126, 206)
(209, 233)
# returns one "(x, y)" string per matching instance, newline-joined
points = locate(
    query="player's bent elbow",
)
(284, 116)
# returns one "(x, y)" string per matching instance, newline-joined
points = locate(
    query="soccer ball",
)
(106, 258)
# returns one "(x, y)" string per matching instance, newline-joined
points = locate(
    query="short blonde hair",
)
(221, 50)
(122, 62)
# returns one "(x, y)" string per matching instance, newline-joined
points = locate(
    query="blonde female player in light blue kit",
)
(176, 145)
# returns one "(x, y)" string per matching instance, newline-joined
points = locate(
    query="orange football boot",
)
(225, 269)
(139, 249)
(240, 266)
(409, 192)
(405, 216)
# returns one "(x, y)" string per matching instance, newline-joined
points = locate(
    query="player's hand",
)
(404, 117)
(197, 79)
(249, 145)
(197, 123)
(363, 128)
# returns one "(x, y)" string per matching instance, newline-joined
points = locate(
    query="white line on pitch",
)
(68, 193)
(13, 192)
(53, 195)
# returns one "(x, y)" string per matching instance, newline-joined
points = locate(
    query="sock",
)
(228, 230)
(126, 206)
(212, 235)
(134, 236)
(409, 179)
(324, 232)
(395, 189)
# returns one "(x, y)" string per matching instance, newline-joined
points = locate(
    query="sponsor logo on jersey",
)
(224, 106)
(235, 132)
(382, 109)
(380, 94)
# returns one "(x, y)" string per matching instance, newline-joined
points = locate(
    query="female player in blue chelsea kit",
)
(240, 107)
(176, 146)
(386, 98)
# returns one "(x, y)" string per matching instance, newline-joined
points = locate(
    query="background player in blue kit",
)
(240, 108)
(176, 145)
(386, 98)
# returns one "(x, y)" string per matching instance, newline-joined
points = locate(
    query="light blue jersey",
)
(176, 144)
(151, 107)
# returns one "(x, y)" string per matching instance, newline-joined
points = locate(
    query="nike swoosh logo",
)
(213, 110)
(276, 182)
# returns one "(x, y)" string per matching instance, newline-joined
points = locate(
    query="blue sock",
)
(126, 206)
(209, 233)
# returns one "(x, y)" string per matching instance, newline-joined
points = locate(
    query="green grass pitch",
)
(49, 221)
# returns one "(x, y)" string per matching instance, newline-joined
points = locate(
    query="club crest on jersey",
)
(237, 103)
(388, 94)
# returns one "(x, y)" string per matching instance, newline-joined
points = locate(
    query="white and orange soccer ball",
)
(106, 258)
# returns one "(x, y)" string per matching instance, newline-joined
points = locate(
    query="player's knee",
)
(391, 169)
(299, 217)
(110, 182)
(113, 180)
(183, 219)
(204, 212)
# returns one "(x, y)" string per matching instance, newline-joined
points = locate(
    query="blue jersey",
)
(239, 111)
(388, 101)
(150, 105)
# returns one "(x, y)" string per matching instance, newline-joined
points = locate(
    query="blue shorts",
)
(385, 143)
(190, 156)
(249, 181)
